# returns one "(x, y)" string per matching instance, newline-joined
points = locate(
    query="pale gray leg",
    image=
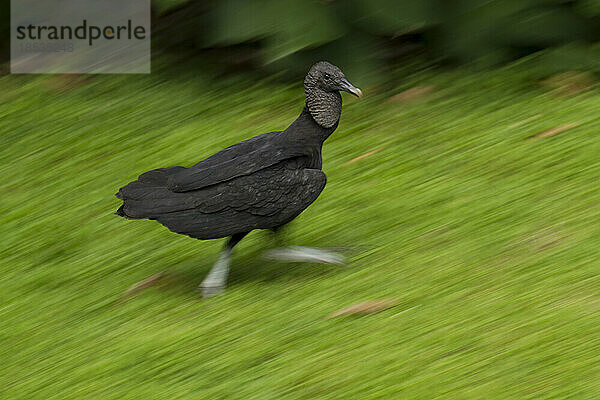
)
(216, 280)
(306, 254)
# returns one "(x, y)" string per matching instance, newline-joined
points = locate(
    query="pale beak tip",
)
(350, 88)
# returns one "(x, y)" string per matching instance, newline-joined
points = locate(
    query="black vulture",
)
(260, 183)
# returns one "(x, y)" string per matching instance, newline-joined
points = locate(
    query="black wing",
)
(241, 159)
(265, 199)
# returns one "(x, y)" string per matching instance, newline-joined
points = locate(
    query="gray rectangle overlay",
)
(80, 36)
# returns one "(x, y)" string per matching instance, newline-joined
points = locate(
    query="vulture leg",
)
(304, 254)
(216, 280)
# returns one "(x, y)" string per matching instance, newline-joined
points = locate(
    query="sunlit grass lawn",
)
(488, 238)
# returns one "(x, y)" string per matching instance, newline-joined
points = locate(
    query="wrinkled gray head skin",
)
(322, 87)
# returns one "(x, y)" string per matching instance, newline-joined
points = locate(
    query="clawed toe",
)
(211, 291)
(305, 254)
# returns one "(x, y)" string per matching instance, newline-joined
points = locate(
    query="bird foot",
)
(305, 254)
(216, 280)
(211, 291)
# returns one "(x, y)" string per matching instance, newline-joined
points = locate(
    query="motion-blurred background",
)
(366, 35)
(466, 181)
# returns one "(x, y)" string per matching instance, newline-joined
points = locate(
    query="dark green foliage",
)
(163, 6)
(4, 29)
(363, 34)
(589, 7)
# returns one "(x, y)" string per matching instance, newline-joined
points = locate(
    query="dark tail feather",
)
(120, 212)
(148, 196)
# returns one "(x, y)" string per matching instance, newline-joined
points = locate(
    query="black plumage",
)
(260, 183)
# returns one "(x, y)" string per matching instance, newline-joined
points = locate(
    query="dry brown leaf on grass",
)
(556, 130)
(143, 284)
(366, 307)
(64, 82)
(570, 83)
(413, 94)
(544, 239)
(370, 153)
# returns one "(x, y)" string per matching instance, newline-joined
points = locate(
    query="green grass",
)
(488, 238)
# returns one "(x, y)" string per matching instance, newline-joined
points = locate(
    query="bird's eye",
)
(326, 76)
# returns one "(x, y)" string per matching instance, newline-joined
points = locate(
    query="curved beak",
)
(350, 88)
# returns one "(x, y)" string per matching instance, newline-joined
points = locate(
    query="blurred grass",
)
(488, 237)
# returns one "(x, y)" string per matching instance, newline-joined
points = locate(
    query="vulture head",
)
(322, 87)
